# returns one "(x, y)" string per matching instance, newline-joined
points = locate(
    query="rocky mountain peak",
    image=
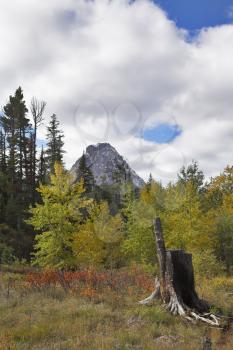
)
(108, 166)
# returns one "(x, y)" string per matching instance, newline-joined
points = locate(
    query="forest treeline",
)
(22, 168)
(55, 222)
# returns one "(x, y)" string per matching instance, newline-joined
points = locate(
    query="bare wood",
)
(154, 295)
(161, 250)
(176, 286)
(161, 253)
(37, 110)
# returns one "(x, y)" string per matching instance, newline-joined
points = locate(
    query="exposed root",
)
(176, 307)
(155, 295)
(207, 318)
(148, 300)
(215, 318)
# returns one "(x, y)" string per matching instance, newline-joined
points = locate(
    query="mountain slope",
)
(108, 166)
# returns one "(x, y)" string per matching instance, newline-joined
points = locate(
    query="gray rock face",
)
(108, 166)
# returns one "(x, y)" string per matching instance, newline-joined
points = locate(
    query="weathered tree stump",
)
(176, 286)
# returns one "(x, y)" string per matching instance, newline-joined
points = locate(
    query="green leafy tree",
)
(98, 240)
(58, 219)
(139, 244)
(139, 213)
(185, 226)
(218, 203)
(153, 193)
(109, 229)
(224, 246)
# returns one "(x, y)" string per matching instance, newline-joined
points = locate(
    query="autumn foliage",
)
(90, 282)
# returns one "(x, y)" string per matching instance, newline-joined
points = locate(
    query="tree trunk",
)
(176, 285)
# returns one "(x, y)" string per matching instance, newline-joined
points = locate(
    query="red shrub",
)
(89, 282)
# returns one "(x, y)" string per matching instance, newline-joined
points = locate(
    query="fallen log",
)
(176, 286)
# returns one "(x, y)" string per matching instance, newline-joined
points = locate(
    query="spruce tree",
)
(86, 175)
(3, 196)
(17, 130)
(192, 174)
(149, 182)
(42, 168)
(54, 152)
(3, 190)
(17, 171)
(2, 151)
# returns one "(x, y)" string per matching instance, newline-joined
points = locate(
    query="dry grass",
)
(52, 319)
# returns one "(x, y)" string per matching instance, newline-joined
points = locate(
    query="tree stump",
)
(176, 286)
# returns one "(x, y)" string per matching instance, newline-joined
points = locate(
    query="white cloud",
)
(110, 68)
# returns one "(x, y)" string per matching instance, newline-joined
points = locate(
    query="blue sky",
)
(162, 133)
(41, 142)
(191, 15)
(196, 14)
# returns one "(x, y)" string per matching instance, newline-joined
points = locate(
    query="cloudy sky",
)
(155, 79)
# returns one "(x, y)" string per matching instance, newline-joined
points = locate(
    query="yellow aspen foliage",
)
(98, 239)
(57, 219)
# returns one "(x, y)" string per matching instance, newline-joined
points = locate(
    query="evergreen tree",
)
(128, 196)
(2, 151)
(31, 183)
(86, 175)
(17, 128)
(42, 168)
(3, 196)
(19, 168)
(192, 174)
(17, 185)
(54, 152)
(150, 180)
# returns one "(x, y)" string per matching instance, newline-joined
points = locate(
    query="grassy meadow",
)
(91, 310)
